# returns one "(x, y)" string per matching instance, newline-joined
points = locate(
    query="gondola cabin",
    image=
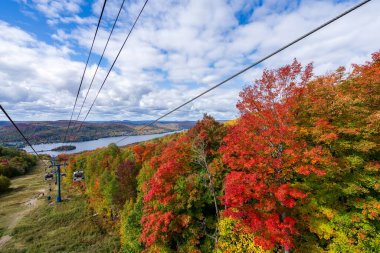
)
(49, 176)
(78, 176)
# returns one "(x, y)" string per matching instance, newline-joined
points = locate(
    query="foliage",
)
(341, 112)
(126, 180)
(4, 183)
(67, 227)
(180, 209)
(13, 163)
(267, 157)
(299, 170)
(232, 240)
(130, 228)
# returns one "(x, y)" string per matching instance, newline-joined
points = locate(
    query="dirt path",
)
(27, 192)
(4, 239)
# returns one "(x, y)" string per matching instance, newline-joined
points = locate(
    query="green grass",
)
(2, 231)
(68, 226)
(65, 227)
(13, 203)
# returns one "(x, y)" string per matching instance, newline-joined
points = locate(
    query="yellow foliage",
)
(233, 241)
(231, 122)
(322, 229)
(329, 213)
(128, 206)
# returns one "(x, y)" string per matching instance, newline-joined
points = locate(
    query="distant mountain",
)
(54, 131)
(181, 124)
(4, 123)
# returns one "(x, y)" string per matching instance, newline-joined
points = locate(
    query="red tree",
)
(265, 155)
(160, 196)
(126, 174)
(144, 152)
(180, 197)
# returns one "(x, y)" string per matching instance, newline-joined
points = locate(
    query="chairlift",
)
(63, 174)
(78, 176)
(49, 176)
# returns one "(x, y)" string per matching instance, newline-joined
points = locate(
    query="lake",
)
(91, 145)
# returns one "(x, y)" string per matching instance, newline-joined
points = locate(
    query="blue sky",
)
(177, 50)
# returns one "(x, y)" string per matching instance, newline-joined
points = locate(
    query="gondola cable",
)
(113, 64)
(85, 68)
(99, 62)
(21, 133)
(252, 65)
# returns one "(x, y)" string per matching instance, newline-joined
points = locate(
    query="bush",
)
(14, 162)
(4, 183)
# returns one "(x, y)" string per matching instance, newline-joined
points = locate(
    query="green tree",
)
(4, 183)
(341, 113)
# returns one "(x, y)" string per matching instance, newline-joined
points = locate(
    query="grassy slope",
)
(49, 227)
(26, 192)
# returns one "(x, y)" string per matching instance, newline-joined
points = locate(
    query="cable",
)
(255, 64)
(23, 136)
(136, 131)
(85, 68)
(100, 60)
(113, 64)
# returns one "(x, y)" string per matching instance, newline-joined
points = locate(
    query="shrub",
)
(4, 183)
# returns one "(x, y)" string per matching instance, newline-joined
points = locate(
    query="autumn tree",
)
(180, 209)
(340, 111)
(267, 157)
(126, 174)
(145, 154)
(235, 239)
(298, 170)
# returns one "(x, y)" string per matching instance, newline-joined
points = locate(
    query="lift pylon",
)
(58, 176)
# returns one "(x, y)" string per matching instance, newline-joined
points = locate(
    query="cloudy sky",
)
(178, 49)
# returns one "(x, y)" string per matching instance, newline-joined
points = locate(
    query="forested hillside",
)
(298, 170)
(13, 163)
(54, 131)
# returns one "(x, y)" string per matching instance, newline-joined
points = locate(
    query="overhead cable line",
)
(253, 65)
(100, 60)
(113, 64)
(18, 129)
(85, 68)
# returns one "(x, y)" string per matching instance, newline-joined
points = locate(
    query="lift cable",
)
(253, 65)
(113, 64)
(23, 136)
(100, 60)
(85, 68)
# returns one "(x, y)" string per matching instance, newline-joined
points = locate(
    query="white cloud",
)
(177, 50)
(55, 8)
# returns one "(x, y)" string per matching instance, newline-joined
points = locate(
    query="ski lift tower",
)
(58, 176)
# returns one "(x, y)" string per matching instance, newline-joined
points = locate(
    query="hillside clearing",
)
(25, 194)
(29, 223)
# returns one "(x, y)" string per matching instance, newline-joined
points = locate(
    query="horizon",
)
(94, 121)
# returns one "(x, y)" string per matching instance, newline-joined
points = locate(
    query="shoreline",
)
(82, 146)
(23, 146)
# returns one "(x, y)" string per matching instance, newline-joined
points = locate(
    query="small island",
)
(64, 148)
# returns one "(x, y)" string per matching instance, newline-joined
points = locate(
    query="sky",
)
(178, 49)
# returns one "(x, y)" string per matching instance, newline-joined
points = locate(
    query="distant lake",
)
(91, 145)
